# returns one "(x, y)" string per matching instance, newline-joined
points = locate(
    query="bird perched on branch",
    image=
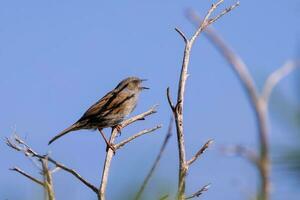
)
(110, 110)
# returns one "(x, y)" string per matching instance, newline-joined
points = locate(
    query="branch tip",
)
(200, 152)
(199, 192)
(143, 132)
(185, 39)
(21, 146)
(18, 170)
(170, 100)
(276, 77)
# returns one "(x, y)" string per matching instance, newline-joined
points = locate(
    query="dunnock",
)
(110, 110)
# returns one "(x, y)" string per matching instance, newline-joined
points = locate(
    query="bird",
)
(110, 110)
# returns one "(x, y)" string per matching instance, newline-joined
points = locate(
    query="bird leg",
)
(119, 128)
(109, 145)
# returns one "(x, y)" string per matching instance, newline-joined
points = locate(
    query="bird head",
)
(132, 83)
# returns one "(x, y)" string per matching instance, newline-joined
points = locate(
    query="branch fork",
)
(18, 144)
(177, 109)
(259, 102)
(109, 154)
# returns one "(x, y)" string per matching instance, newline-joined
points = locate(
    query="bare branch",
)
(275, 77)
(11, 145)
(207, 21)
(143, 132)
(56, 169)
(223, 12)
(199, 192)
(155, 164)
(48, 183)
(258, 104)
(170, 100)
(110, 153)
(141, 116)
(21, 146)
(200, 152)
(235, 61)
(178, 114)
(16, 169)
(74, 173)
(190, 42)
(182, 35)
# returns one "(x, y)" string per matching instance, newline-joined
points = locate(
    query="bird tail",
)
(67, 130)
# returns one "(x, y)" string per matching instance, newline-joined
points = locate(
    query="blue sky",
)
(59, 57)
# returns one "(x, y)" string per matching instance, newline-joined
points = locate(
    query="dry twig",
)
(18, 144)
(161, 151)
(199, 192)
(200, 152)
(259, 102)
(178, 109)
(275, 77)
(16, 169)
(143, 132)
(110, 153)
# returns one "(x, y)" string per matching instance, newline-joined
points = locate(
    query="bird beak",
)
(144, 88)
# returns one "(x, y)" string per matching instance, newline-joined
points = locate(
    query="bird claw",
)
(119, 128)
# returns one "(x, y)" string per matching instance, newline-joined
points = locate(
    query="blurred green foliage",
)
(287, 112)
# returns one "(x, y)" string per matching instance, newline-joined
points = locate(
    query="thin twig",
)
(199, 192)
(20, 145)
(178, 113)
(16, 169)
(141, 116)
(28, 151)
(110, 153)
(74, 173)
(207, 20)
(259, 104)
(155, 164)
(143, 132)
(235, 61)
(171, 104)
(275, 77)
(224, 12)
(200, 152)
(182, 35)
(56, 169)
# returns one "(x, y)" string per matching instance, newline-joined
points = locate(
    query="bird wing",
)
(109, 104)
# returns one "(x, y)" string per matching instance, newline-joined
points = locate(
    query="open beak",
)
(144, 88)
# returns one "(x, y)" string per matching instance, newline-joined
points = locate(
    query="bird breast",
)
(126, 102)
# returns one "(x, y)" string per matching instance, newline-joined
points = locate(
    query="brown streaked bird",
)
(110, 110)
